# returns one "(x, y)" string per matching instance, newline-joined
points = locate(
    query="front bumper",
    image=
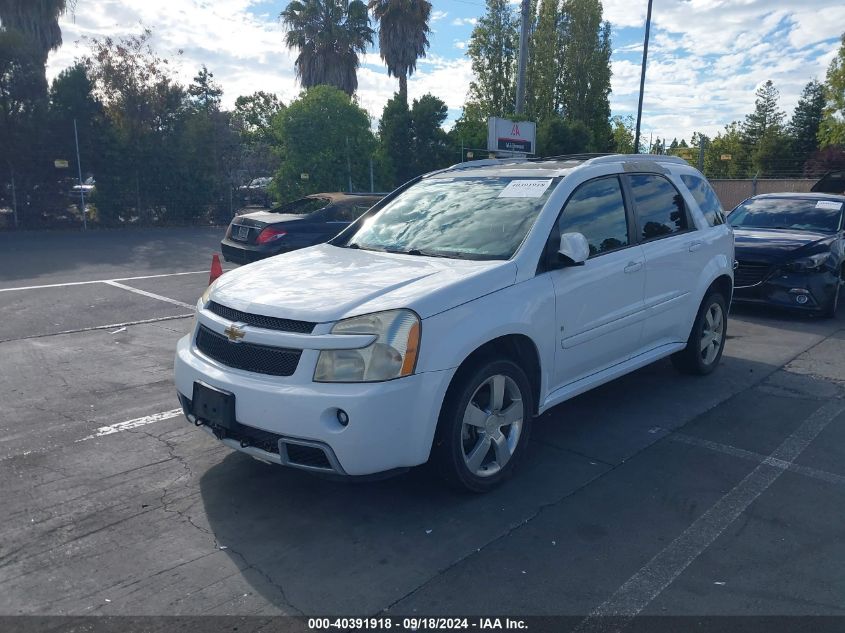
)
(784, 289)
(391, 424)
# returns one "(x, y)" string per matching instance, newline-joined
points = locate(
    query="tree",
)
(143, 104)
(543, 85)
(38, 22)
(252, 119)
(806, 120)
(325, 135)
(430, 141)
(556, 137)
(330, 36)
(205, 92)
(492, 50)
(469, 131)
(622, 131)
(395, 142)
(767, 117)
(585, 63)
(832, 128)
(726, 155)
(22, 114)
(402, 37)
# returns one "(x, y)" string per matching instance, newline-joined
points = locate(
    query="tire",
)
(711, 327)
(830, 311)
(478, 442)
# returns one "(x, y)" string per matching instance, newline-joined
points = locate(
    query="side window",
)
(706, 198)
(597, 210)
(659, 206)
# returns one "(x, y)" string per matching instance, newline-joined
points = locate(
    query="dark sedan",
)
(310, 220)
(790, 250)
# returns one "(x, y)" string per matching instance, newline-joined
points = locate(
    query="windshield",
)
(469, 218)
(303, 206)
(797, 214)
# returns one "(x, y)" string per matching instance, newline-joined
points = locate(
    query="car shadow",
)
(356, 548)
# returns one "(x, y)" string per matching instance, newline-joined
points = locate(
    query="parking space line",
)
(92, 328)
(132, 424)
(645, 585)
(102, 281)
(151, 295)
(807, 471)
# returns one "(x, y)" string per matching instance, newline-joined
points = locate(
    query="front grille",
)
(261, 359)
(259, 320)
(750, 273)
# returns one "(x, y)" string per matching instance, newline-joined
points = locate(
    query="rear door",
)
(675, 256)
(599, 306)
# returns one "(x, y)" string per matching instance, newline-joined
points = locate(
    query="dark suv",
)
(314, 219)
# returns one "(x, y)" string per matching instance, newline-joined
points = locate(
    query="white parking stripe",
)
(101, 281)
(807, 471)
(110, 326)
(133, 424)
(151, 295)
(639, 590)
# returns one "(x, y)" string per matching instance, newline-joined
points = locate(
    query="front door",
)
(599, 306)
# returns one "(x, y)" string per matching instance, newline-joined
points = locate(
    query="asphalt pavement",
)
(657, 494)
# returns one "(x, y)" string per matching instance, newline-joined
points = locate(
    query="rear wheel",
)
(707, 339)
(484, 426)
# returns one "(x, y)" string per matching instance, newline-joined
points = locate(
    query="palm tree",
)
(37, 21)
(330, 35)
(402, 36)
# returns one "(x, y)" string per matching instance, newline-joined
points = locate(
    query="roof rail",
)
(584, 156)
(657, 158)
(484, 162)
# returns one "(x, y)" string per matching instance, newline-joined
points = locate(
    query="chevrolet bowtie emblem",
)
(234, 333)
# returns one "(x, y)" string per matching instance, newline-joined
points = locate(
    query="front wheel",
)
(484, 426)
(707, 339)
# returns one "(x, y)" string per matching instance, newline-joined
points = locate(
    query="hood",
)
(772, 245)
(326, 283)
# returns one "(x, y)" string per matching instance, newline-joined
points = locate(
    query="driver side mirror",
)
(574, 249)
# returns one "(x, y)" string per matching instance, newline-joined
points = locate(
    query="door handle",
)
(633, 267)
(694, 246)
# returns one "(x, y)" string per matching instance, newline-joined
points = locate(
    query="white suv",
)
(457, 309)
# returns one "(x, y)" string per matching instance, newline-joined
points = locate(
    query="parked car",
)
(831, 182)
(790, 250)
(255, 192)
(310, 220)
(456, 310)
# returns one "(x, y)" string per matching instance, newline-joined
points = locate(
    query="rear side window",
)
(597, 210)
(706, 198)
(659, 206)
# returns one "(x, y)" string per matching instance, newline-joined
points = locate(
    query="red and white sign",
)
(514, 137)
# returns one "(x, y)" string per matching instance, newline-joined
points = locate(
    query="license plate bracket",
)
(214, 406)
(243, 232)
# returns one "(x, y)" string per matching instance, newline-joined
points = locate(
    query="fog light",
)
(342, 417)
(801, 299)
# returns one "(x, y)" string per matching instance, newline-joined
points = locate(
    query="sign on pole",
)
(61, 164)
(725, 157)
(515, 137)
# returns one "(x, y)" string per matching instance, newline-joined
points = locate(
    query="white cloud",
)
(464, 21)
(436, 16)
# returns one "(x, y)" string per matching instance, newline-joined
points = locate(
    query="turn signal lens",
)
(270, 235)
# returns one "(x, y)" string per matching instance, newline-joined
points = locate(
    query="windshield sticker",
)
(525, 188)
(828, 204)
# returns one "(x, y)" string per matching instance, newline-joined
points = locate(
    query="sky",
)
(706, 57)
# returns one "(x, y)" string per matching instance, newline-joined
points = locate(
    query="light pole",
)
(642, 79)
(81, 188)
(523, 57)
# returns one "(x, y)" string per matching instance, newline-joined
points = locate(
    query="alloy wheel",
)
(712, 332)
(492, 425)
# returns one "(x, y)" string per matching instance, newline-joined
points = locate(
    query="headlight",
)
(393, 354)
(813, 263)
(206, 296)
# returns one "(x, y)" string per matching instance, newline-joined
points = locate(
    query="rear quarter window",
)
(706, 198)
